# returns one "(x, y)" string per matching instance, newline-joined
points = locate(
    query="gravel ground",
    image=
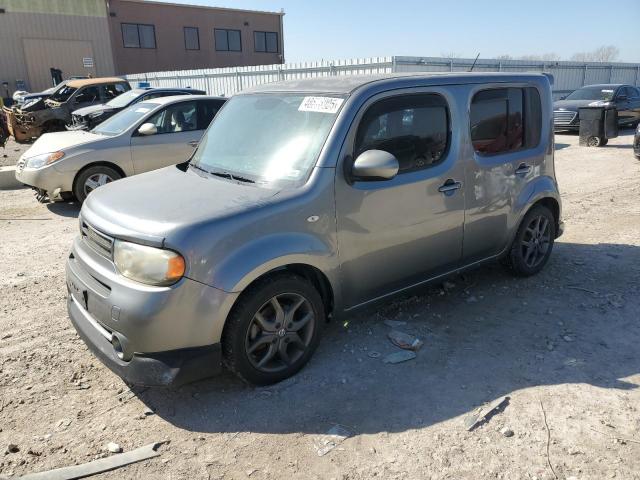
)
(563, 344)
(11, 153)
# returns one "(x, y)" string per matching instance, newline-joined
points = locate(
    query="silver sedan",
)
(146, 136)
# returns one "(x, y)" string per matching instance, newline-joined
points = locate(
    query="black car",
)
(625, 98)
(636, 143)
(88, 117)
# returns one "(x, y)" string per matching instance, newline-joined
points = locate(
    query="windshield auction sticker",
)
(320, 104)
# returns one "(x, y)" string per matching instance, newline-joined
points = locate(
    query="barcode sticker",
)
(320, 104)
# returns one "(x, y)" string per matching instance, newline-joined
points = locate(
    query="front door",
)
(395, 233)
(178, 133)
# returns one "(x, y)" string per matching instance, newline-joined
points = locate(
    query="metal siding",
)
(568, 76)
(89, 8)
(16, 27)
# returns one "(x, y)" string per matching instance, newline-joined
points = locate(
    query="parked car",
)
(88, 117)
(28, 124)
(625, 98)
(306, 200)
(636, 143)
(142, 137)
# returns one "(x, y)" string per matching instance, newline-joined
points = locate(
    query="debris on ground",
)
(98, 466)
(12, 448)
(399, 357)
(114, 447)
(373, 354)
(394, 323)
(404, 340)
(471, 421)
(507, 432)
(334, 437)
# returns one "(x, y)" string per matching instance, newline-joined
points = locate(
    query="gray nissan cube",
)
(305, 201)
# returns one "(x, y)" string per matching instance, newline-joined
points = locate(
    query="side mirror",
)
(375, 165)
(563, 97)
(147, 129)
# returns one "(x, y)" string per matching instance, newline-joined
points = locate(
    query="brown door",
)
(66, 55)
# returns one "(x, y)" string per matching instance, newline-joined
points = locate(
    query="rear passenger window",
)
(414, 128)
(505, 120)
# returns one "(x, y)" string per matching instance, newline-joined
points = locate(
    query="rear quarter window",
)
(504, 120)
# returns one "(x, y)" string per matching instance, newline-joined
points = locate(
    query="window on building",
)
(191, 38)
(266, 42)
(505, 120)
(227, 40)
(136, 35)
(414, 128)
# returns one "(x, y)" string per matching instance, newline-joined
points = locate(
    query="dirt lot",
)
(11, 152)
(566, 341)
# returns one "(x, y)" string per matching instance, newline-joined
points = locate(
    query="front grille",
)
(98, 241)
(564, 117)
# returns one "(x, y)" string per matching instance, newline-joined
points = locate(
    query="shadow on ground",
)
(490, 336)
(64, 209)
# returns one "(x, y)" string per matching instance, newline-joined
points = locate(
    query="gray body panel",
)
(368, 239)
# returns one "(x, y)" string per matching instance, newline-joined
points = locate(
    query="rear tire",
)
(92, 178)
(533, 243)
(273, 330)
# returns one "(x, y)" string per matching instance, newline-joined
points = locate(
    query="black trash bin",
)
(597, 125)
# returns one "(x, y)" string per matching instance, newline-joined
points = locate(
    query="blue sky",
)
(327, 29)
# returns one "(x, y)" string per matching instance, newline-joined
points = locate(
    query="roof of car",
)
(164, 89)
(349, 83)
(176, 98)
(94, 81)
(605, 85)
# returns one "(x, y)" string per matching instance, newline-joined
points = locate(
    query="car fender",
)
(541, 187)
(254, 259)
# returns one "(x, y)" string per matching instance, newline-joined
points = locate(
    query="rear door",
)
(628, 104)
(506, 153)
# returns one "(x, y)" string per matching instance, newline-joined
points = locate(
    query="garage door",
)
(66, 55)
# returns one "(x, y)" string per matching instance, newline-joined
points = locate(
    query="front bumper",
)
(147, 335)
(46, 178)
(172, 368)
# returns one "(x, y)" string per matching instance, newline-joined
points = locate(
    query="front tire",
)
(92, 178)
(533, 243)
(273, 330)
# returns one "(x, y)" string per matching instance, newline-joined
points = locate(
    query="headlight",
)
(44, 159)
(153, 266)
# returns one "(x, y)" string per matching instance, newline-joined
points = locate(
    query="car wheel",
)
(273, 329)
(533, 243)
(91, 178)
(595, 141)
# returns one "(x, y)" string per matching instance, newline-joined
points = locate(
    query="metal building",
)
(118, 37)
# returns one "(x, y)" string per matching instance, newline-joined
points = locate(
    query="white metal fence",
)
(226, 81)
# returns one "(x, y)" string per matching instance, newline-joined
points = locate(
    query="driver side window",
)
(413, 128)
(87, 95)
(179, 117)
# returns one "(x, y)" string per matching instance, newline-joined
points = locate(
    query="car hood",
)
(571, 105)
(150, 207)
(52, 142)
(92, 109)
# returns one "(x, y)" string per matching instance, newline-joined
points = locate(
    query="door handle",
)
(450, 186)
(194, 143)
(523, 169)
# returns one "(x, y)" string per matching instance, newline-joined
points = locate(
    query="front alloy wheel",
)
(280, 332)
(273, 329)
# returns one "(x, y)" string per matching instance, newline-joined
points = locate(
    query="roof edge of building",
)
(185, 5)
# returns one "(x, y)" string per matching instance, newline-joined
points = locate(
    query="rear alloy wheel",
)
(273, 330)
(534, 240)
(92, 178)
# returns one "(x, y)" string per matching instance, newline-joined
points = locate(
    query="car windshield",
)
(124, 99)
(593, 93)
(63, 94)
(122, 120)
(268, 138)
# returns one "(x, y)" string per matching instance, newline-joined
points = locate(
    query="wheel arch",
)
(101, 163)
